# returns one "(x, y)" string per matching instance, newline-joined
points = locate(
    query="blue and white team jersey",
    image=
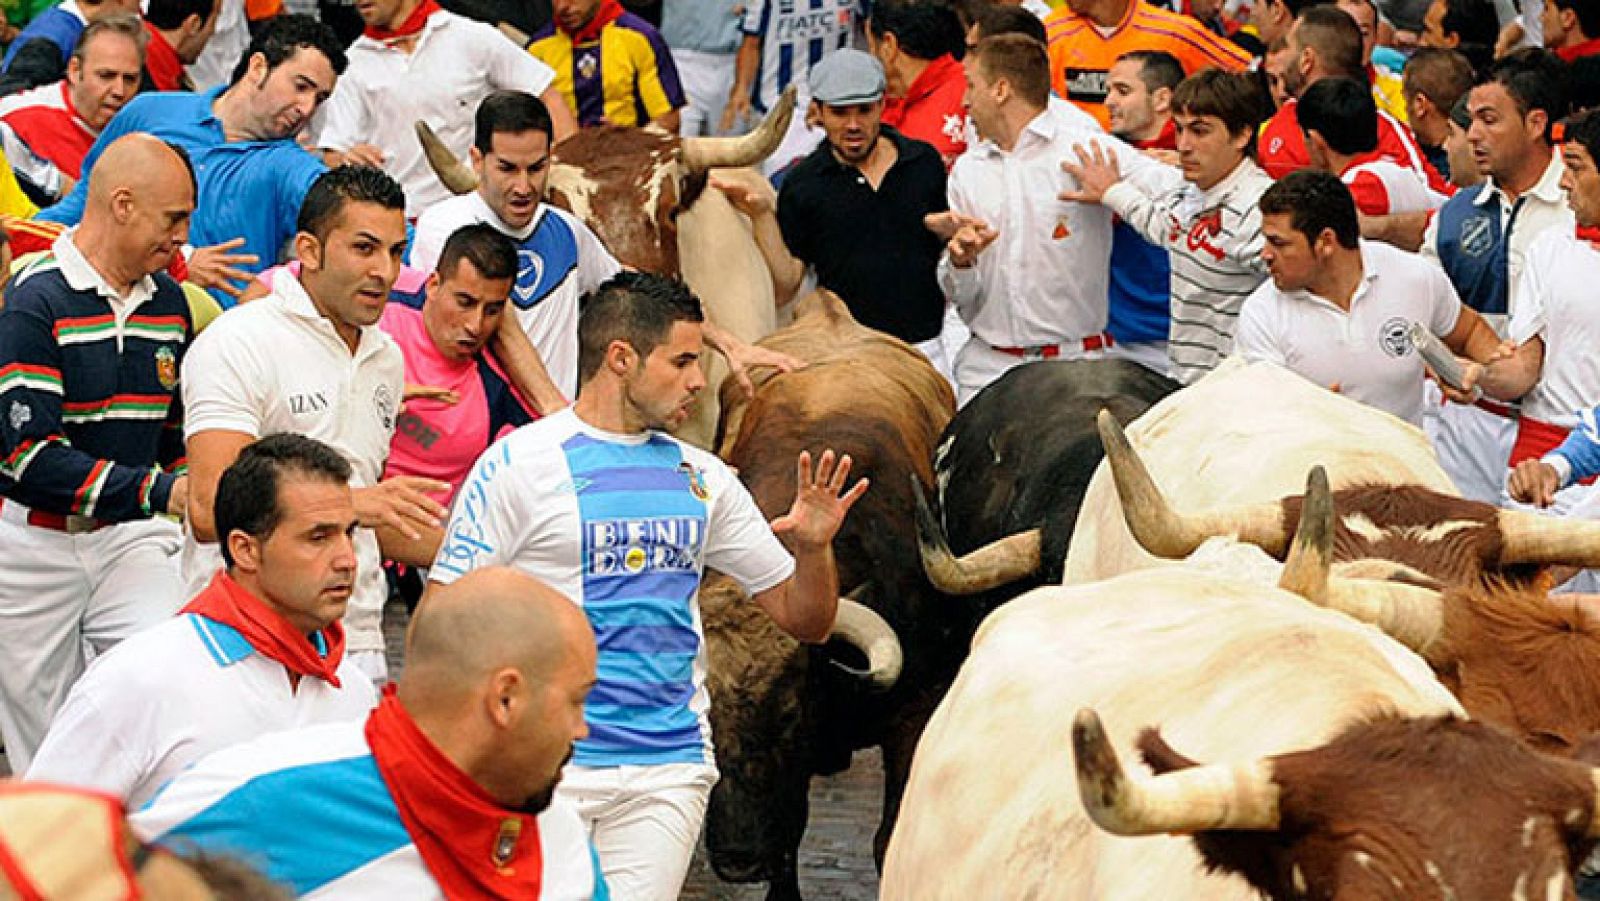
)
(558, 260)
(795, 35)
(623, 525)
(309, 809)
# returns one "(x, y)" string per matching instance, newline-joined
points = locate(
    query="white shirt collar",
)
(82, 276)
(1246, 167)
(297, 302)
(1369, 274)
(1547, 188)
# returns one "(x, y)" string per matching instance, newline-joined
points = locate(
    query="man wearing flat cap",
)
(853, 210)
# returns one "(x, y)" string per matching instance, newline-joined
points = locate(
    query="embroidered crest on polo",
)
(383, 400)
(166, 368)
(20, 415)
(1476, 237)
(505, 844)
(1394, 336)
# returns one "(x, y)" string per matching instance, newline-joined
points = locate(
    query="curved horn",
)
(747, 150)
(1305, 570)
(861, 627)
(517, 35)
(1242, 796)
(1163, 531)
(999, 563)
(456, 175)
(1546, 541)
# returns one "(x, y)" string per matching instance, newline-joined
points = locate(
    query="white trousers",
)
(707, 78)
(1473, 445)
(60, 593)
(644, 821)
(978, 364)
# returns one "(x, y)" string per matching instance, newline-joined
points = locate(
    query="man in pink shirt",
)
(458, 397)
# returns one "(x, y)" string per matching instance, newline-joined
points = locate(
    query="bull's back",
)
(1246, 433)
(1228, 669)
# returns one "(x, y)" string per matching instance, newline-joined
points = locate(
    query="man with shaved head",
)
(451, 779)
(91, 339)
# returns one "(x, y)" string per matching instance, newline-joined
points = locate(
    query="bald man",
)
(451, 779)
(91, 339)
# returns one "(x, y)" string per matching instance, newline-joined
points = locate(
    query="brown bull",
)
(1460, 582)
(788, 712)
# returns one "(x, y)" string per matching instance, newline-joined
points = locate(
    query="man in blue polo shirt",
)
(252, 174)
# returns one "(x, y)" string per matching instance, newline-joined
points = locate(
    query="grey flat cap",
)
(846, 77)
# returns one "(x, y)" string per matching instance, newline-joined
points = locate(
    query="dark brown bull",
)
(781, 712)
(1464, 584)
(1407, 808)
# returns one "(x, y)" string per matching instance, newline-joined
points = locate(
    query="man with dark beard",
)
(445, 791)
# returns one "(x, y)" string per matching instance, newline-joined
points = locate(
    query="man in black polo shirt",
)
(853, 210)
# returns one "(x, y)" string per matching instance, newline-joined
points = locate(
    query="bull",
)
(1464, 584)
(1012, 468)
(1339, 767)
(643, 192)
(780, 712)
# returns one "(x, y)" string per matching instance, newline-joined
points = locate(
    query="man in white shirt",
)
(309, 358)
(1340, 121)
(1338, 310)
(1549, 362)
(261, 649)
(601, 503)
(443, 792)
(1211, 228)
(417, 61)
(558, 257)
(1026, 268)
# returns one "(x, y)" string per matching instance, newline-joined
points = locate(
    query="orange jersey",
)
(1080, 56)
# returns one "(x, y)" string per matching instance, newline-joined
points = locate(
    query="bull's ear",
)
(1159, 756)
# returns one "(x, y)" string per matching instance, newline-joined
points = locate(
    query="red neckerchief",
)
(227, 602)
(1591, 234)
(161, 61)
(1167, 140)
(609, 11)
(412, 25)
(474, 848)
(1578, 51)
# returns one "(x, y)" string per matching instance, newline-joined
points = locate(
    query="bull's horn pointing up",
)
(1162, 530)
(456, 175)
(747, 150)
(1243, 796)
(1547, 541)
(517, 35)
(861, 627)
(1305, 570)
(998, 563)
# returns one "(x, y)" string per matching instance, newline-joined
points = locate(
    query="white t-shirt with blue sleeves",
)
(624, 525)
(309, 809)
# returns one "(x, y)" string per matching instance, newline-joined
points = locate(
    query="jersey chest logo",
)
(1394, 336)
(1087, 85)
(1477, 236)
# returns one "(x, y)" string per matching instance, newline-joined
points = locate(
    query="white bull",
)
(1243, 435)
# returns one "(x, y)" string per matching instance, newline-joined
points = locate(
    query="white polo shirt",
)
(1365, 351)
(1044, 279)
(558, 260)
(1558, 304)
(455, 63)
(276, 365)
(168, 696)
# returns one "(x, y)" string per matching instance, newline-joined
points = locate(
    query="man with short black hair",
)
(1433, 81)
(1340, 121)
(179, 31)
(1572, 28)
(1338, 310)
(917, 42)
(603, 504)
(1467, 26)
(47, 132)
(309, 358)
(215, 675)
(252, 173)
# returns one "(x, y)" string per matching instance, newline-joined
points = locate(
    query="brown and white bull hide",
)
(779, 712)
(1231, 669)
(1245, 434)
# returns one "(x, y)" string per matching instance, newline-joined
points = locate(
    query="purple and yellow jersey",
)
(627, 77)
